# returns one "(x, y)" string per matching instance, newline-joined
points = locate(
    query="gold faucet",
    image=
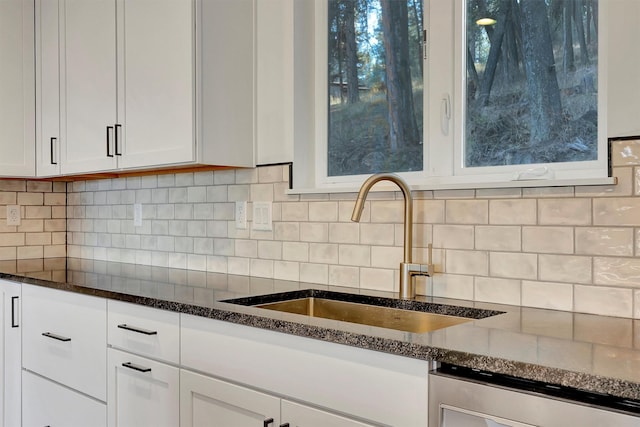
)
(407, 268)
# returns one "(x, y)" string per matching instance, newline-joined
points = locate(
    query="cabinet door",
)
(10, 350)
(47, 87)
(17, 139)
(65, 338)
(156, 99)
(46, 403)
(88, 85)
(298, 415)
(208, 402)
(142, 392)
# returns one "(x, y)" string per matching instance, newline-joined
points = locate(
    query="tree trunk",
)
(351, 46)
(567, 40)
(579, 23)
(403, 127)
(494, 52)
(542, 84)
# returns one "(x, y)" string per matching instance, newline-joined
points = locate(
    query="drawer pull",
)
(267, 422)
(284, 425)
(56, 337)
(136, 367)
(138, 330)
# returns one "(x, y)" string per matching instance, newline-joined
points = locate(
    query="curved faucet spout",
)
(407, 268)
(408, 206)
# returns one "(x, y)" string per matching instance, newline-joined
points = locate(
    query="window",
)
(459, 92)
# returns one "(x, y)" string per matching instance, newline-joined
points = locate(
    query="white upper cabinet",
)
(88, 85)
(17, 139)
(156, 108)
(142, 84)
(275, 81)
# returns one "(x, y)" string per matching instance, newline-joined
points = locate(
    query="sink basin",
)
(372, 315)
(402, 315)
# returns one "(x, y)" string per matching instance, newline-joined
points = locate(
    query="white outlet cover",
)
(13, 215)
(137, 215)
(241, 215)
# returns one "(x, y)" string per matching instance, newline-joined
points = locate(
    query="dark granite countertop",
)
(593, 353)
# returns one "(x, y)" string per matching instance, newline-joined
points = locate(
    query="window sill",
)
(347, 188)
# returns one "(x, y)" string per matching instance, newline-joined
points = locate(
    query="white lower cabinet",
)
(209, 402)
(298, 415)
(142, 392)
(349, 386)
(46, 403)
(10, 354)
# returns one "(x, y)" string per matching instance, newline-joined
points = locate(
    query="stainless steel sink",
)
(392, 313)
(367, 314)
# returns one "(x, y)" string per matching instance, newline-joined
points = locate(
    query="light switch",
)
(262, 216)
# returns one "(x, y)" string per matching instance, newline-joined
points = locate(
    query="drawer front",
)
(65, 338)
(142, 392)
(45, 403)
(145, 331)
(340, 378)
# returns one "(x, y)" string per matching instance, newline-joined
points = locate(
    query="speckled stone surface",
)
(593, 353)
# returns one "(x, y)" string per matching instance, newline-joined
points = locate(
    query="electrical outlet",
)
(241, 215)
(13, 214)
(262, 213)
(137, 215)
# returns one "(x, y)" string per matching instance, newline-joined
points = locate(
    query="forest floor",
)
(497, 134)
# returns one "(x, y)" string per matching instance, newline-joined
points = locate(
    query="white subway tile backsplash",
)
(513, 265)
(565, 268)
(377, 278)
(554, 247)
(293, 251)
(323, 212)
(344, 276)
(453, 236)
(386, 256)
(502, 291)
(547, 239)
(340, 232)
(549, 295)
(467, 211)
(453, 286)
(377, 234)
(564, 211)
(314, 273)
(616, 211)
(513, 212)
(295, 211)
(324, 253)
(356, 255)
(467, 262)
(498, 238)
(604, 301)
(616, 241)
(314, 232)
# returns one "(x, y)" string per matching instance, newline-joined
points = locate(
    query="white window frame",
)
(444, 88)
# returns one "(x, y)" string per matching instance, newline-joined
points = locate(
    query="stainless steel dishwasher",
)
(462, 397)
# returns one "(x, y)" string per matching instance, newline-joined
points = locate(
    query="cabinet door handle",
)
(138, 330)
(56, 337)
(109, 131)
(52, 144)
(284, 425)
(14, 312)
(117, 139)
(267, 422)
(136, 367)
